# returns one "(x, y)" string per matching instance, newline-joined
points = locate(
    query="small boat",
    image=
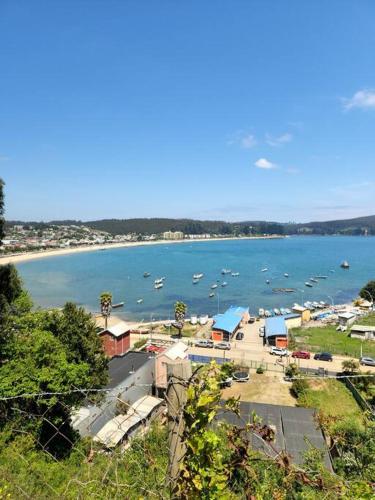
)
(261, 312)
(267, 313)
(193, 320)
(288, 311)
(158, 285)
(195, 281)
(345, 264)
(146, 275)
(331, 270)
(277, 311)
(116, 306)
(139, 301)
(235, 275)
(320, 277)
(158, 281)
(211, 295)
(314, 280)
(315, 305)
(286, 275)
(226, 271)
(307, 283)
(268, 282)
(283, 311)
(224, 283)
(264, 270)
(198, 276)
(203, 320)
(214, 286)
(322, 303)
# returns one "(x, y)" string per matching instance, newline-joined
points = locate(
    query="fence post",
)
(178, 374)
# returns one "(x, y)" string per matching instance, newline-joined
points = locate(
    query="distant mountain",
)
(357, 226)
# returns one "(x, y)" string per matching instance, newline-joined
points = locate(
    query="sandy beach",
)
(23, 257)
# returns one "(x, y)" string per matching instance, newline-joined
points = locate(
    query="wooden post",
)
(178, 375)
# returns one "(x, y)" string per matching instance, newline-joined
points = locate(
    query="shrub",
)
(139, 343)
(291, 370)
(260, 369)
(299, 387)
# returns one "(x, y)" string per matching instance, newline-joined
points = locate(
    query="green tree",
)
(106, 306)
(368, 291)
(350, 366)
(180, 310)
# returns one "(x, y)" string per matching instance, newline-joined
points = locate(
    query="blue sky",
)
(235, 110)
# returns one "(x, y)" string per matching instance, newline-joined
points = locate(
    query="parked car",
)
(239, 336)
(204, 343)
(323, 356)
(301, 354)
(278, 351)
(223, 345)
(367, 361)
(261, 331)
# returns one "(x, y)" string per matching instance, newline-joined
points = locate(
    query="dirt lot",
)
(265, 388)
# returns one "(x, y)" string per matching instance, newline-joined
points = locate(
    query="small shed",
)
(346, 318)
(293, 320)
(276, 332)
(363, 332)
(303, 312)
(116, 339)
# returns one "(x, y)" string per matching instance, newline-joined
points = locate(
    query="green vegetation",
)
(368, 291)
(326, 338)
(105, 306)
(180, 310)
(139, 343)
(368, 320)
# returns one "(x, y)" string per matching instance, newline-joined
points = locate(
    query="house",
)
(346, 319)
(174, 354)
(116, 339)
(293, 320)
(363, 332)
(173, 235)
(130, 378)
(225, 325)
(303, 312)
(276, 332)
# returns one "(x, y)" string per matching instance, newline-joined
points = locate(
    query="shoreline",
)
(42, 254)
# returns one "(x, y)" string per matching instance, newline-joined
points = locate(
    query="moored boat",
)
(264, 270)
(116, 306)
(211, 295)
(345, 264)
(235, 275)
(225, 271)
(286, 275)
(224, 283)
(158, 285)
(214, 286)
(146, 275)
(198, 276)
(307, 283)
(139, 301)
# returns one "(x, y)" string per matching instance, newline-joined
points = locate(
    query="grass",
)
(332, 399)
(326, 338)
(368, 320)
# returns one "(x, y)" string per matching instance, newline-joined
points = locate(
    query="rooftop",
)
(230, 320)
(363, 328)
(118, 329)
(177, 351)
(275, 327)
(121, 367)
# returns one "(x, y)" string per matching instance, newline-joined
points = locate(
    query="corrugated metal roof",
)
(363, 328)
(115, 430)
(229, 321)
(177, 350)
(275, 327)
(118, 329)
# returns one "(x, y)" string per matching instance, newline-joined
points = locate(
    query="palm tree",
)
(106, 306)
(180, 310)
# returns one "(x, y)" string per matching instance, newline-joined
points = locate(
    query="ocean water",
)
(82, 277)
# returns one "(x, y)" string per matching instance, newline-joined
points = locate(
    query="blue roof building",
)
(275, 328)
(225, 325)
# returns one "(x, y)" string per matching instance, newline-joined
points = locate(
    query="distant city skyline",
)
(260, 110)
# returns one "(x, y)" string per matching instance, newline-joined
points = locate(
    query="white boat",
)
(235, 274)
(267, 313)
(203, 320)
(211, 295)
(345, 264)
(264, 270)
(288, 311)
(159, 281)
(286, 275)
(214, 286)
(224, 283)
(195, 281)
(139, 301)
(307, 283)
(283, 311)
(261, 312)
(146, 275)
(314, 280)
(268, 282)
(198, 276)
(193, 320)
(277, 311)
(226, 271)
(158, 285)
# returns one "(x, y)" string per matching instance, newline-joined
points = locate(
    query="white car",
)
(223, 345)
(278, 351)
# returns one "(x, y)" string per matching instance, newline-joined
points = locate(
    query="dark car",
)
(301, 354)
(323, 356)
(239, 336)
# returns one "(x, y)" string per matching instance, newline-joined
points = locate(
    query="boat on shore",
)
(261, 313)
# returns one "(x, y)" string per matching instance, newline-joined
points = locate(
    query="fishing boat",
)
(277, 311)
(224, 283)
(198, 276)
(288, 311)
(345, 264)
(235, 275)
(195, 281)
(307, 283)
(264, 270)
(321, 277)
(261, 312)
(158, 285)
(286, 275)
(146, 275)
(139, 301)
(116, 306)
(211, 295)
(268, 282)
(267, 313)
(226, 271)
(314, 280)
(214, 286)
(159, 281)
(283, 311)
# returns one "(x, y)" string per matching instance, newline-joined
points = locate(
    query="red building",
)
(116, 339)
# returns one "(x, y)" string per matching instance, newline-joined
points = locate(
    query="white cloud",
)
(363, 99)
(265, 164)
(279, 140)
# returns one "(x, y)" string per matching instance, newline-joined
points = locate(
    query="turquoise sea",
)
(82, 277)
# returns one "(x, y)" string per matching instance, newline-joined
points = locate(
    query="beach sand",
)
(23, 257)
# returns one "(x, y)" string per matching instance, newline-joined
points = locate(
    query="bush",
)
(139, 343)
(291, 370)
(260, 369)
(299, 387)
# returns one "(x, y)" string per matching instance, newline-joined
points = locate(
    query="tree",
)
(180, 310)
(350, 366)
(10, 283)
(106, 306)
(368, 291)
(2, 222)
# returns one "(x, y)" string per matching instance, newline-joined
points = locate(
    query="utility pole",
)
(178, 375)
